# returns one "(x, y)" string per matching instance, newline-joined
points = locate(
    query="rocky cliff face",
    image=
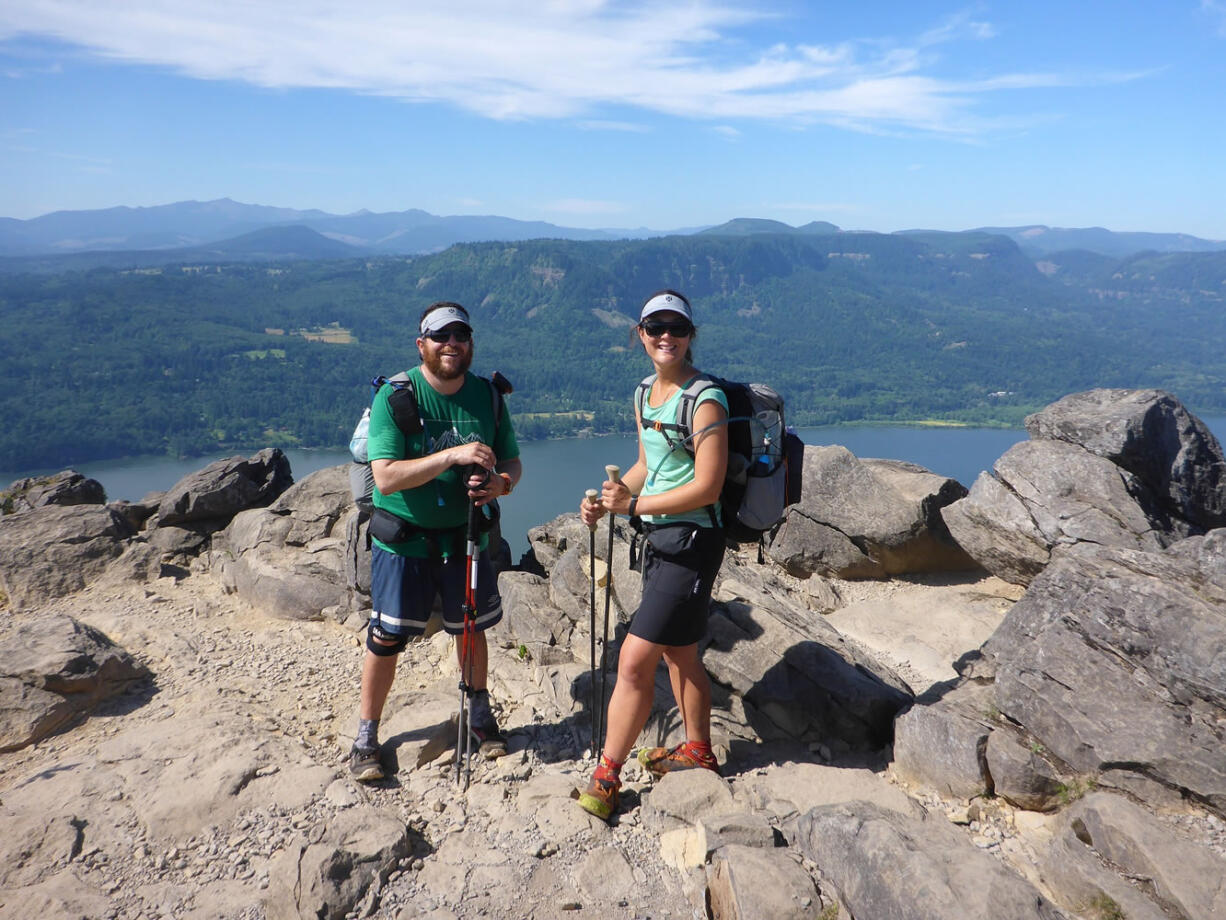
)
(928, 703)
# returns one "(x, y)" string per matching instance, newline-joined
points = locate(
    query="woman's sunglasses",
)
(463, 336)
(679, 330)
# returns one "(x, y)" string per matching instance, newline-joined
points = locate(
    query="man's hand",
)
(473, 453)
(483, 489)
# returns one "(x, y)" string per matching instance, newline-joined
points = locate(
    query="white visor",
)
(444, 317)
(662, 302)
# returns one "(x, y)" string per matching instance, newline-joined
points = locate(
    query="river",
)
(556, 473)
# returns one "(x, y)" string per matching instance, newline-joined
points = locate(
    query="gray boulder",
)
(868, 519)
(1152, 435)
(1047, 494)
(1127, 468)
(942, 744)
(1021, 773)
(1173, 877)
(796, 677)
(53, 671)
(64, 488)
(748, 883)
(325, 876)
(1113, 659)
(55, 550)
(225, 487)
(290, 559)
(891, 866)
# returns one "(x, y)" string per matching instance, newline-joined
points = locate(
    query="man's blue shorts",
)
(403, 589)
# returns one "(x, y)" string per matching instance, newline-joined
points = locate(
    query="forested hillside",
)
(958, 327)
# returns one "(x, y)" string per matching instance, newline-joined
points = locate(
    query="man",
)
(423, 485)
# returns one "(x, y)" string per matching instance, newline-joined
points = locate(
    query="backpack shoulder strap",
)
(640, 397)
(402, 402)
(496, 403)
(689, 401)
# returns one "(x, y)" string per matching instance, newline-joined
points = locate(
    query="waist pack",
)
(391, 529)
(765, 457)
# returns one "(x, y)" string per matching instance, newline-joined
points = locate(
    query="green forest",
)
(191, 358)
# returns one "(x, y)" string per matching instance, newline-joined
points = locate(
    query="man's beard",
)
(433, 361)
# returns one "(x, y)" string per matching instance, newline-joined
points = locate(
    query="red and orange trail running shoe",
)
(602, 795)
(658, 761)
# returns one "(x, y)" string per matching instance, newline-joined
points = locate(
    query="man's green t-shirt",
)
(447, 421)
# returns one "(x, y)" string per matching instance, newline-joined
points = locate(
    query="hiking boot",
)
(658, 761)
(490, 741)
(484, 727)
(365, 765)
(601, 797)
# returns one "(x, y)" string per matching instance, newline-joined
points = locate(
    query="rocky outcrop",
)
(226, 487)
(1123, 468)
(1106, 668)
(1112, 661)
(1173, 877)
(54, 550)
(65, 488)
(1107, 673)
(1152, 435)
(289, 559)
(53, 671)
(867, 519)
(873, 857)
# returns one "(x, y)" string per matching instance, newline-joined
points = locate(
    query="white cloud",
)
(727, 131)
(557, 59)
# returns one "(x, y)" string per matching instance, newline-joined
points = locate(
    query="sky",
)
(879, 116)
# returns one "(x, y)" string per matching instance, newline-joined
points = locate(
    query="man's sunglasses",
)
(679, 330)
(442, 336)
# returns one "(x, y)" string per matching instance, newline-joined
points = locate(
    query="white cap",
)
(666, 300)
(443, 317)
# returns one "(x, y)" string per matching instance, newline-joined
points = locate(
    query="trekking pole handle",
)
(590, 496)
(614, 472)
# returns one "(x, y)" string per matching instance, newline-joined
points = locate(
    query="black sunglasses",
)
(442, 336)
(678, 330)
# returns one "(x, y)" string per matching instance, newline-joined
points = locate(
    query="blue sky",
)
(879, 115)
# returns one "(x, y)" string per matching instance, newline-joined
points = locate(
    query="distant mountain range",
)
(192, 224)
(230, 230)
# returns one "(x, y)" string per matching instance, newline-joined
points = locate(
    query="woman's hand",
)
(590, 512)
(615, 497)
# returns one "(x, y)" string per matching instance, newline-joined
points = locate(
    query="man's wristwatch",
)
(507, 484)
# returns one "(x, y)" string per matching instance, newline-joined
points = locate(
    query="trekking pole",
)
(464, 735)
(614, 474)
(591, 496)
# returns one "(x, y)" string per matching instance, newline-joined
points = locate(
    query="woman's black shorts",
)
(680, 562)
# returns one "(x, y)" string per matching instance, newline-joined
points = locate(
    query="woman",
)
(677, 496)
